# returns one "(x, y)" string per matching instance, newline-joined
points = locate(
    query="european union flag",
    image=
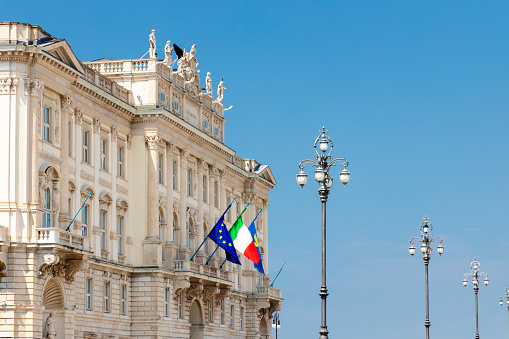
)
(252, 230)
(222, 238)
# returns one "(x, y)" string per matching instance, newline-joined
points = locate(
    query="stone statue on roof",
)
(167, 53)
(220, 90)
(152, 40)
(208, 83)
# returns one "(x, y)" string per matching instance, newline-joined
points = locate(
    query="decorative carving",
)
(66, 102)
(113, 134)
(208, 82)
(152, 41)
(104, 201)
(162, 202)
(153, 141)
(210, 291)
(36, 87)
(79, 116)
(171, 148)
(97, 125)
(181, 284)
(223, 293)
(167, 53)
(212, 171)
(184, 156)
(56, 105)
(50, 326)
(129, 240)
(129, 139)
(3, 257)
(72, 267)
(220, 91)
(66, 268)
(195, 291)
(8, 85)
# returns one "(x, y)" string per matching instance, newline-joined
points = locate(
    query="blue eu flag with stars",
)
(221, 236)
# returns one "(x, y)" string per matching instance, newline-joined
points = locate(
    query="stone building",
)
(145, 144)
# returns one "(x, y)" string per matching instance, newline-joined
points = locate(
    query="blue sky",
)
(414, 95)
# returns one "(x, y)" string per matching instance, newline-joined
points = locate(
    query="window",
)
(162, 233)
(175, 175)
(205, 123)
(190, 182)
(107, 297)
(70, 126)
(120, 231)
(211, 309)
(46, 217)
(47, 124)
(229, 213)
(181, 305)
(189, 228)
(215, 195)
(216, 131)
(242, 318)
(167, 302)
(221, 310)
(103, 222)
(160, 168)
(161, 96)
(104, 155)
(238, 207)
(88, 294)
(123, 299)
(232, 314)
(86, 144)
(84, 220)
(176, 105)
(204, 189)
(120, 162)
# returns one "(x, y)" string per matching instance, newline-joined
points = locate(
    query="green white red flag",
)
(243, 240)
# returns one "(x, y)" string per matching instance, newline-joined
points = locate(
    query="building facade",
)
(142, 146)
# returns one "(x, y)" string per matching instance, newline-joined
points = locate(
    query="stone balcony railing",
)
(94, 76)
(53, 235)
(268, 291)
(123, 66)
(190, 266)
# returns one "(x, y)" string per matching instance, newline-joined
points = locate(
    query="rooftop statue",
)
(167, 53)
(208, 82)
(220, 90)
(152, 40)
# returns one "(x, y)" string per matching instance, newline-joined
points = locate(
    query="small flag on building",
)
(220, 235)
(243, 241)
(178, 51)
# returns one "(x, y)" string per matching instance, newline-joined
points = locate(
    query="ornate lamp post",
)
(475, 273)
(276, 323)
(425, 239)
(323, 161)
(506, 298)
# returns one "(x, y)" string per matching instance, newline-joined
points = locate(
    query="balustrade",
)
(53, 235)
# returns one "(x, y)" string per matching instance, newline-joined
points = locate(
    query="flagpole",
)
(230, 205)
(222, 264)
(212, 255)
(261, 209)
(278, 274)
(68, 227)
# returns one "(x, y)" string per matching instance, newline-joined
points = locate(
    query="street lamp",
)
(276, 323)
(425, 239)
(506, 298)
(475, 273)
(323, 161)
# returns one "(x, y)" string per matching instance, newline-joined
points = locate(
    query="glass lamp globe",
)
(328, 182)
(424, 248)
(425, 228)
(411, 250)
(501, 302)
(324, 145)
(319, 174)
(507, 301)
(344, 176)
(273, 325)
(465, 282)
(486, 281)
(302, 178)
(440, 249)
(476, 282)
(475, 265)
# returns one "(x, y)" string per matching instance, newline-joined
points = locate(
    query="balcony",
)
(57, 236)
(268, 291)
(202, 271)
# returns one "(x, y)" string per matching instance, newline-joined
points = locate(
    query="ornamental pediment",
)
(60, 49)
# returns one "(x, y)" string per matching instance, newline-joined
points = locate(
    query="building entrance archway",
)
(196, 320)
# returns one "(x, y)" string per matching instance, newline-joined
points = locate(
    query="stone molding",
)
(223, 293)
(79, 116)
(181, 284)
(114, 133)
(152, 141)
(194, 291)
(8, 85)
(210, 291)
(65, 268)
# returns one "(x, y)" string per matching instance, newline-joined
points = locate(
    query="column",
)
(152, 254)
(169, 245)
(222, 206)
(184, 251)
(201, 171)
(66, 111)
(212, 209)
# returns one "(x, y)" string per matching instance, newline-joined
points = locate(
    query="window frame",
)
(46, 216)
(104, 154)
(205, 189)
(160, 168)
(89, 287)
(85, 142)
(120, 162)
(106, 294)
(103, 226)
(167, 302)
(46, 134)
(85, 214)
(123, 299)
(190, 182)
(120, 232)
(175, 175)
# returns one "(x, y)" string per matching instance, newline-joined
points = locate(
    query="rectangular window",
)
(175, 175)
(204, 189)
(123, 299)
(190, 182)
(47, 124)
(232, 316)
(211, 309)
(160, 168)
(46, 218)
(107, 297)
(238, 207)
(216, 203)
(69, 135)
(181, 305)
(222, 311)
(242, 318)
(104, 155)
(103, 223)
(167, 302)
(120, 231)
(86, 144)
(120, 162)
(84, 219)
(88, 294)
(229, 213)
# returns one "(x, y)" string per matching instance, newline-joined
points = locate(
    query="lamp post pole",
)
(425, 239)
(276, 323)
(475, 273)
(506, 299)
(323, 161)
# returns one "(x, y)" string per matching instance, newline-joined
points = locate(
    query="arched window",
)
(162, 231)
(46, 218)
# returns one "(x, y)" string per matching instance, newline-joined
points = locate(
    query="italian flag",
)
(243, 240)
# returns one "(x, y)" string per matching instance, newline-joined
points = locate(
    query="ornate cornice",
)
(66, 268)
(152, 141)
(8, 85)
